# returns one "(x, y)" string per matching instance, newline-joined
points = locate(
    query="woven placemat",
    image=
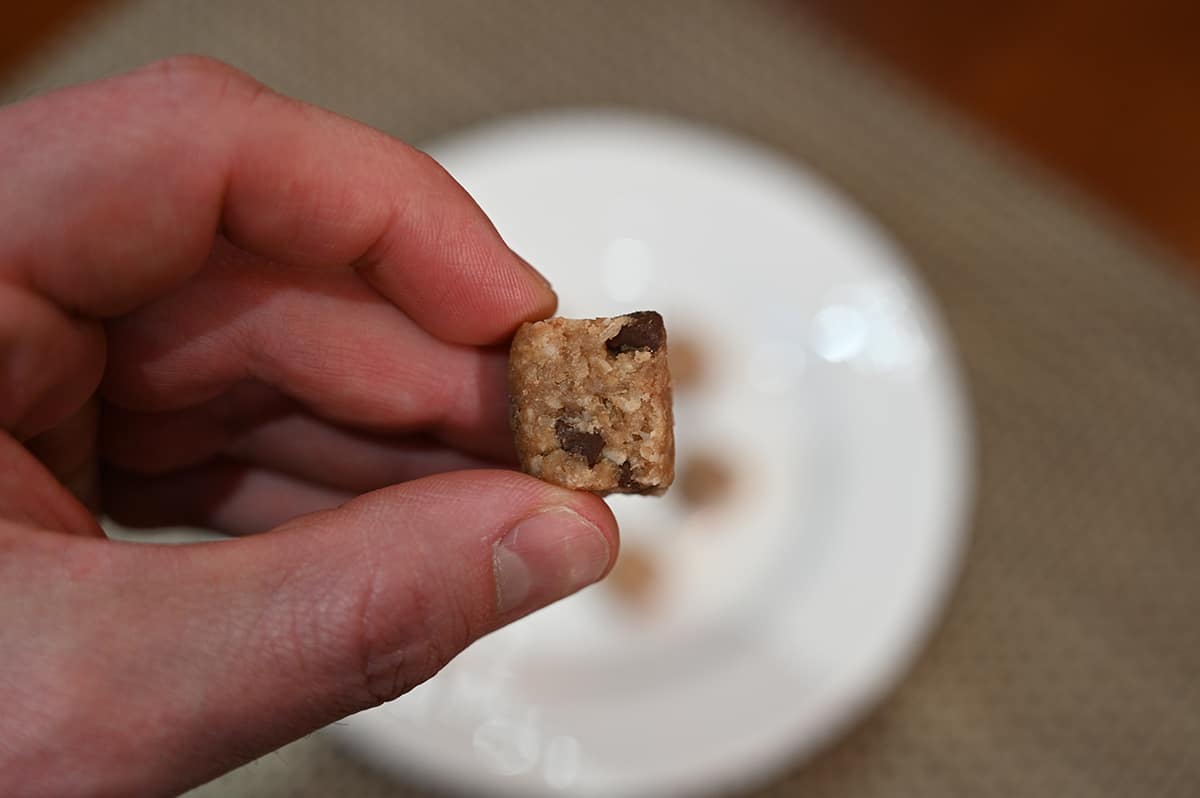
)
(1069, 659)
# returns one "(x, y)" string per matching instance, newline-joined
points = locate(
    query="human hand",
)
(258, 316)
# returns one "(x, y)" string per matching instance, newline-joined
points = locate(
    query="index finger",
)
(114, 191)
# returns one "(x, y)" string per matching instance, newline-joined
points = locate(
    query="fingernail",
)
(545, 557)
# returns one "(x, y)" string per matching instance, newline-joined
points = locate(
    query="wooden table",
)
(1107, 93)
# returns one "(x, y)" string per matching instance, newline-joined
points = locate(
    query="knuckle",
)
(190, 67)
(200, 77)
(396, 656)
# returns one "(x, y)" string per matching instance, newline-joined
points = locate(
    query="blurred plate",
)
(760, 626)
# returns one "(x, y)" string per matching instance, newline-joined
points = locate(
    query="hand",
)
(222, 307)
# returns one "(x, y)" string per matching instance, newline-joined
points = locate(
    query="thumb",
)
(238, 647)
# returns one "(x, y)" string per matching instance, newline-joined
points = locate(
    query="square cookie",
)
(590, 403)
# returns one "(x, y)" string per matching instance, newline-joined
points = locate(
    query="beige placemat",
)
(1069, 660)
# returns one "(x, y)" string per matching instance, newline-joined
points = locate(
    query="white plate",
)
(781, 616)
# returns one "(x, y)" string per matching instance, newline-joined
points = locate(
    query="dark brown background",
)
(1107, 93)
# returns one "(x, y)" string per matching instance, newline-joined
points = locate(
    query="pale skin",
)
(225, 308)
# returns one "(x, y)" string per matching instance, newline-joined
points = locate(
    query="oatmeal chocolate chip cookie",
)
(591, 403)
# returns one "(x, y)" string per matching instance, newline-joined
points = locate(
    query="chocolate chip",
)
(644, 331)
(625, 479)
(589, 445)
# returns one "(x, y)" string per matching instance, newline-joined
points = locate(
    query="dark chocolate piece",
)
(588, 445)
(625, 478)
(644, 331)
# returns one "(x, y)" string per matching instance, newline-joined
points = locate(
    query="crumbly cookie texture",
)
(590, 403)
